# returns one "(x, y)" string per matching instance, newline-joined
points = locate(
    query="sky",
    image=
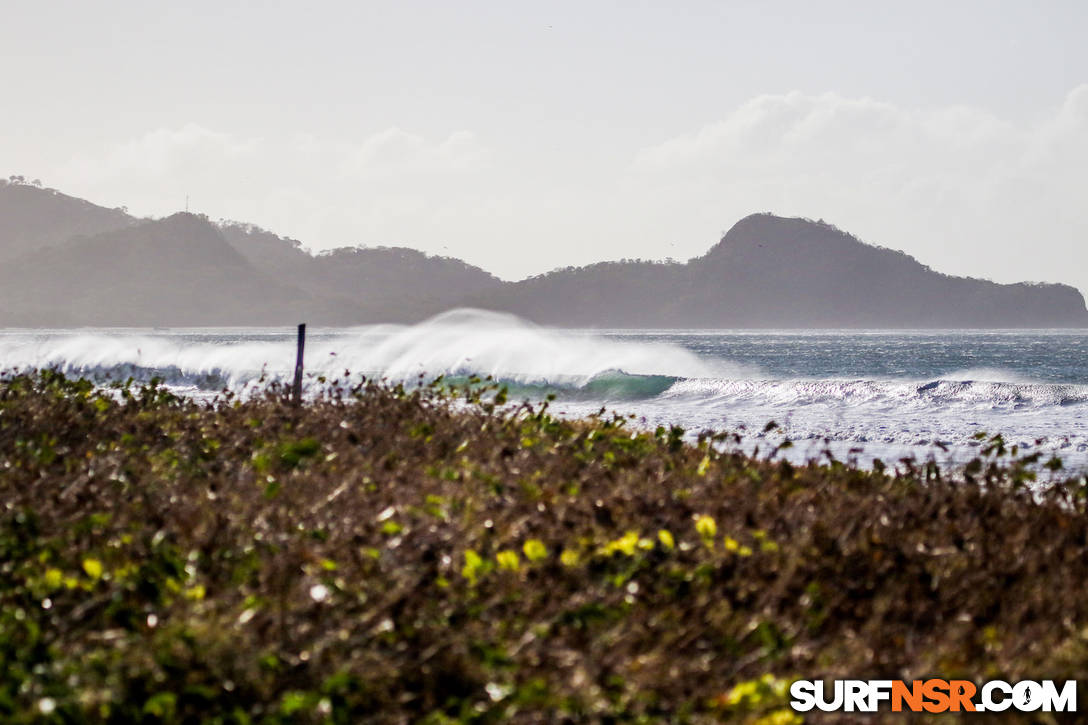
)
(522, 137)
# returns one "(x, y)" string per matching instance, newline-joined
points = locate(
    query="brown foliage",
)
(399, 554)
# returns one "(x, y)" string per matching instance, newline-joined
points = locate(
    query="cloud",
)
(854, 140)
(962, 188)
(957, 186)
(384, 187)
(397, 153)
(195, 154)
(162, 152)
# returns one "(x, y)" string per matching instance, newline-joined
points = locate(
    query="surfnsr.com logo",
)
(934, 696)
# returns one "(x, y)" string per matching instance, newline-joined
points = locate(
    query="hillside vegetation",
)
(774, 272)
(420, 555)
(71, 263)
(32, 218)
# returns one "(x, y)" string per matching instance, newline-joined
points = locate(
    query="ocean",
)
(843, 393)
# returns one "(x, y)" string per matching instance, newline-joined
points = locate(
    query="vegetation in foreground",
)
(382, 554)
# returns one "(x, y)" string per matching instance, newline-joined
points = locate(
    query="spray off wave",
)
(698, 384)
(533, 359)
(459, 343)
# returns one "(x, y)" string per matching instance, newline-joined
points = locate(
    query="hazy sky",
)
(526, 136)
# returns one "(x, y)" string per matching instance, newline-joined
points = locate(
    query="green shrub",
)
(424, 554)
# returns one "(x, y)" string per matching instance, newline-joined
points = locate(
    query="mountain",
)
(67, 262)
(32, 218)
(386, 284)
(177, 271)
(776, 272)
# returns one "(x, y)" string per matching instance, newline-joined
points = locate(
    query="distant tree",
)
(37, 183)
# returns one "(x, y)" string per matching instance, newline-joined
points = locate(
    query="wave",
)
(989, 375)
(457, 343)
(504, 346)
(660, 382)
(882, 394)
(609, 386)
(532, 360)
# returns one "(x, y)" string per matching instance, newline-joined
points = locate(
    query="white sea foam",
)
(881, 394)
(459, 342)
(503, 346)
(989, 375)
(895, 410)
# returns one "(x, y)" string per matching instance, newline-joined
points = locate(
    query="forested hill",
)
(32, 217)
(67, 262)
(775, 272)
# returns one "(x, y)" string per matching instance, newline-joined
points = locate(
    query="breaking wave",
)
(532, 360)
(460, 343)
(654, 377)
(883, 394)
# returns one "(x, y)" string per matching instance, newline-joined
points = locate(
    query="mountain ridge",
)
(32, 217)
(176, 271)
(767, 271)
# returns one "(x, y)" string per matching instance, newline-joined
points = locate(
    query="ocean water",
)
(853, 394)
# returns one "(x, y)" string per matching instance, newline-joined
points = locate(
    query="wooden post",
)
(296, 390)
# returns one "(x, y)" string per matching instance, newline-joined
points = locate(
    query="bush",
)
(394, 554)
